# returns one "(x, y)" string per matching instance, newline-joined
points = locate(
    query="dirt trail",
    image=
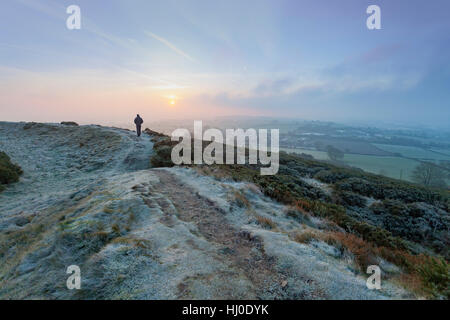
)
(58, 159)
(240, 248)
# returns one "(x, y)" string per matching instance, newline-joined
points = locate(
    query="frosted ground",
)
(89, 198)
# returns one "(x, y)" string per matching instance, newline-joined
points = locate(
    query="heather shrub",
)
(9, 172)
(330, 176)
(348, 198)
(435, 274)
(365, 253)
(162, 158)
(404, 213)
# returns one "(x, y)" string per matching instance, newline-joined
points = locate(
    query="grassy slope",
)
(389, 166)
(407, 224)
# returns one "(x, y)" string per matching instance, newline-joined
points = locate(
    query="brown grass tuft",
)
(266, 222)
(364, 252)
(240, 199)
(305, 237)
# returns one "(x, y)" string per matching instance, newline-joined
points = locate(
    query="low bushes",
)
(9, 172)
(365, 253)
(432, 273)
(351, 199)
(385, 188)
(160, 158)
(163, 150)
(403, 212)
(417, 222)
(330, 176)
(435, 274)
(424, 275)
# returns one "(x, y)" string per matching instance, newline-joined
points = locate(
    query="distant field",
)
(351, 146)
(391, 167)
(415, 152)
(445, 151)
(319, 155)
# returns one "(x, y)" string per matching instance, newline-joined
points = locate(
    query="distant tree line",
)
(334, 153)
(432, 175)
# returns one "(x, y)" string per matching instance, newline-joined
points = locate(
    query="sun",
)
(172, 99)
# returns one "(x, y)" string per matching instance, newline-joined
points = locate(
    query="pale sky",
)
(199, 59)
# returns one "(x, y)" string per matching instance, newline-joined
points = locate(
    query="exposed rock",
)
(69, 123)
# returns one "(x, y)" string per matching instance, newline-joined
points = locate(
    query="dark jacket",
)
(138, 121)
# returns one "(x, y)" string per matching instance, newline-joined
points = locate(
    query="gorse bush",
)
(160, 158)
(435, 273)
(9, 172)
(163, 149)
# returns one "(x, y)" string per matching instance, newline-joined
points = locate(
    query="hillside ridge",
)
(88, 197)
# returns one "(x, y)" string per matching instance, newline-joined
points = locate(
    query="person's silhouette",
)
(138, 121)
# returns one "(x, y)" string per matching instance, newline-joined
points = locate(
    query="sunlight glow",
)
(172, 99)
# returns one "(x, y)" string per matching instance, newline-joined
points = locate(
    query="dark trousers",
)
(138, 130)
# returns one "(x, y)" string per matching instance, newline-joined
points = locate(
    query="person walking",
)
(138, 122)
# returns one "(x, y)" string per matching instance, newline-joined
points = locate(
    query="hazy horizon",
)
(312, 60)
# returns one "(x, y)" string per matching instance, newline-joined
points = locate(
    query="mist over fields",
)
(390, 150)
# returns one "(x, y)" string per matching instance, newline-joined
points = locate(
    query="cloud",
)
(381, 53)
(170, 45)
(272, 87)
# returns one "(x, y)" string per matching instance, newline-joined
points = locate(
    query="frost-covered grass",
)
(369, 229)
(61, 210)
(289, 236)
(88, 198)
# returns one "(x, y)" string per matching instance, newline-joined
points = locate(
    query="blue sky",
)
(172, 59)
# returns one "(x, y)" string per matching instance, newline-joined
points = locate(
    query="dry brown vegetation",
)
(240, 199)
(422, 274)
(266, 222)
(305, 237)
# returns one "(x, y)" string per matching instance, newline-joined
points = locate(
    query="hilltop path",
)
(88, 198)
